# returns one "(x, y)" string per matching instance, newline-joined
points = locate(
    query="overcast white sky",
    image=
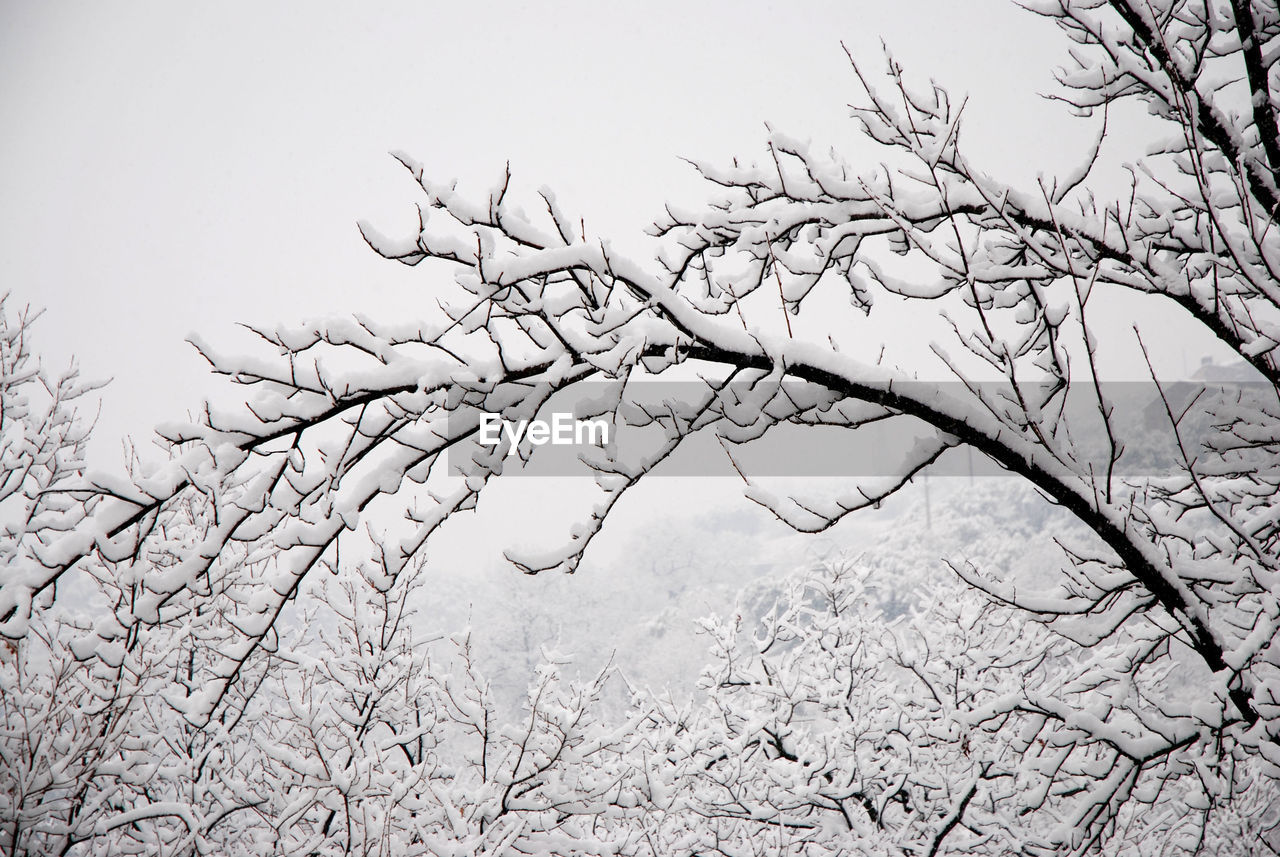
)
(168, 168)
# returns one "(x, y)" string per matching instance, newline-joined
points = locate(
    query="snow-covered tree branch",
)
(771, 300)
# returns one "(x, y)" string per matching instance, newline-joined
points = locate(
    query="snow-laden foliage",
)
(52, 729)
(770, 303)
(387, 744)
(957, 727)
(820, 727)
(42, 436)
